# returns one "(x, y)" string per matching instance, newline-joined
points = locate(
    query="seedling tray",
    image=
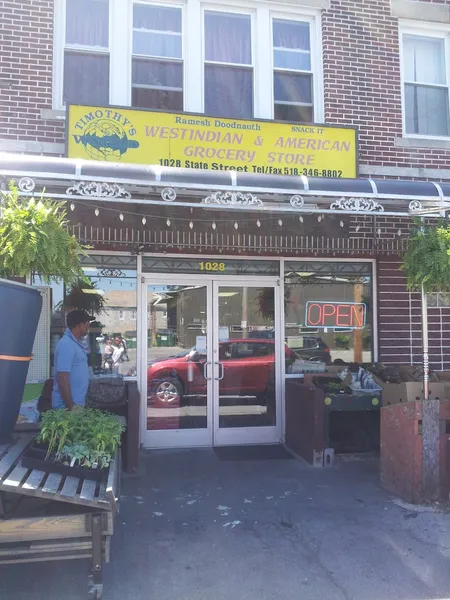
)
(324, 384)
(34, 458)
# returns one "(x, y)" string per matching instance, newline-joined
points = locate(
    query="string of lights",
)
(170, 220)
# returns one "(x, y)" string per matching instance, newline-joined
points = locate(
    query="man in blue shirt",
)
(71, 377)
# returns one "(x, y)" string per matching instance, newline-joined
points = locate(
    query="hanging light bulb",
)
(399, 232)
(280, 222)
(121, 217)
(96, 212)
(213, 225)
(319, 218)
(341, 223)
(191, 224)
(300, 219)
(72, 206)
(258, 223)
(168, 222)
(236, 226)
(357, 228)
(379, 231)
(144, 220)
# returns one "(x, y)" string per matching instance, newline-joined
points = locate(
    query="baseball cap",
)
(77, 316)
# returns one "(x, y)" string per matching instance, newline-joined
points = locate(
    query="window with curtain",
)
(426, 85)
(228, 65)
(157, 73)
(292, 78)
(86, 52)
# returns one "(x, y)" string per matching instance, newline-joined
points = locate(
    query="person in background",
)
(118, 352)
(71, 376)
(125, 357)
(108, 354)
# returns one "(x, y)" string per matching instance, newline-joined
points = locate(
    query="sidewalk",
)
(205, 525)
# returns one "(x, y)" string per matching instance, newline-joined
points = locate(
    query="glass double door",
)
(212, 368)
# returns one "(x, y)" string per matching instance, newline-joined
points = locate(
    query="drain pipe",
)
(426, 365)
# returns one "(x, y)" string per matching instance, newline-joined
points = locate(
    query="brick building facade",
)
(366, 69)
(362, 82)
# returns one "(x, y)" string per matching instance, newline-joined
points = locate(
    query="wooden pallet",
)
(47, 516)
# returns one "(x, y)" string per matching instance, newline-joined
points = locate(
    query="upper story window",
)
(425, 80)
(86, 52)
(292, 78)
(157, 63)
(224, 61)
(228, 65)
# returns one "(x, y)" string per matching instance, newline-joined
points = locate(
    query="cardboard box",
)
(396, 393)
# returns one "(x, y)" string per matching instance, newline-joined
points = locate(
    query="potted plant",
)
(81, 443)
(34, 238)
(427, 267)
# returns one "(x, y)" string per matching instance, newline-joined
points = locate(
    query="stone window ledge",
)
(420, 142)
(50, 114)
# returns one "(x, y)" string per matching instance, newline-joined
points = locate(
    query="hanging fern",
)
(93, 303)
(34, 239)
(427, 259)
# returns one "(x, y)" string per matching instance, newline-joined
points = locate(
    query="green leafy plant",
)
(34, 238)
(88, 437)
(332, 385)
(90, 301)
(427, 259)
(342, 341)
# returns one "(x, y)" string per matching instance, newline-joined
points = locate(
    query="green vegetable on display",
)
(86, 438)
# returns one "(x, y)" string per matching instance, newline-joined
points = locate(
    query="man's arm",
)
(64, 389)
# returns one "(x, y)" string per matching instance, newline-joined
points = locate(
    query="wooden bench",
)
(47, 516)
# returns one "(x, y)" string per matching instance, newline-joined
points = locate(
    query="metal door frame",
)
(208, 437)
(247, 435)
(173, 438)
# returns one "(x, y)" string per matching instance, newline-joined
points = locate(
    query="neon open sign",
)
(336, 314)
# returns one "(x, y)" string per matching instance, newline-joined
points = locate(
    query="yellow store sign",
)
(199, 142)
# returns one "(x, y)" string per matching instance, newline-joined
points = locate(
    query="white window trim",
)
(423, 29)
(315, 32)
(129, 57)
(59, 47)
(193, 51)
(233, 9)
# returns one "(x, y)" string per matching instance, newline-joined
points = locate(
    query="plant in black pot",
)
(34, 239)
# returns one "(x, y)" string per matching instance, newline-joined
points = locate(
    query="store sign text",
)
(336, 314)
(201, 142)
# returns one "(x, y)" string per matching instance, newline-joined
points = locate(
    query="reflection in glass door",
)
(178, 369)
(211, 375)
(246, 372)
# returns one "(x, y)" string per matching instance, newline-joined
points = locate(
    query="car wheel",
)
(168, 392)
(315, 359)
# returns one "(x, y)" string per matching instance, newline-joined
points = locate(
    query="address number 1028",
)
(211, 266)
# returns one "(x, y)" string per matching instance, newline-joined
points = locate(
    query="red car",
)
(248, 370)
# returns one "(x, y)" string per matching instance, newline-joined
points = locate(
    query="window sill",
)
(422, 142)
(50, 114)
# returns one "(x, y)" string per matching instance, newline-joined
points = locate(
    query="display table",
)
(47, 516)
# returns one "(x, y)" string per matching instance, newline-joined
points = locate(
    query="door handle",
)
(205, 372)
(223, 371)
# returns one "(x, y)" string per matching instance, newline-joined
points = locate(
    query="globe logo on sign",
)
(105, 139)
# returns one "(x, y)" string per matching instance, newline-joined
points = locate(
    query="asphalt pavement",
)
(249, 524)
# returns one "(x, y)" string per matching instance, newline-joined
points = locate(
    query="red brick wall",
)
(361, 76)
(362, 82)
(400, 321)
(26, 50)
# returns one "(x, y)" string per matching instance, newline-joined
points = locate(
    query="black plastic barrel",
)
(20, 309)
